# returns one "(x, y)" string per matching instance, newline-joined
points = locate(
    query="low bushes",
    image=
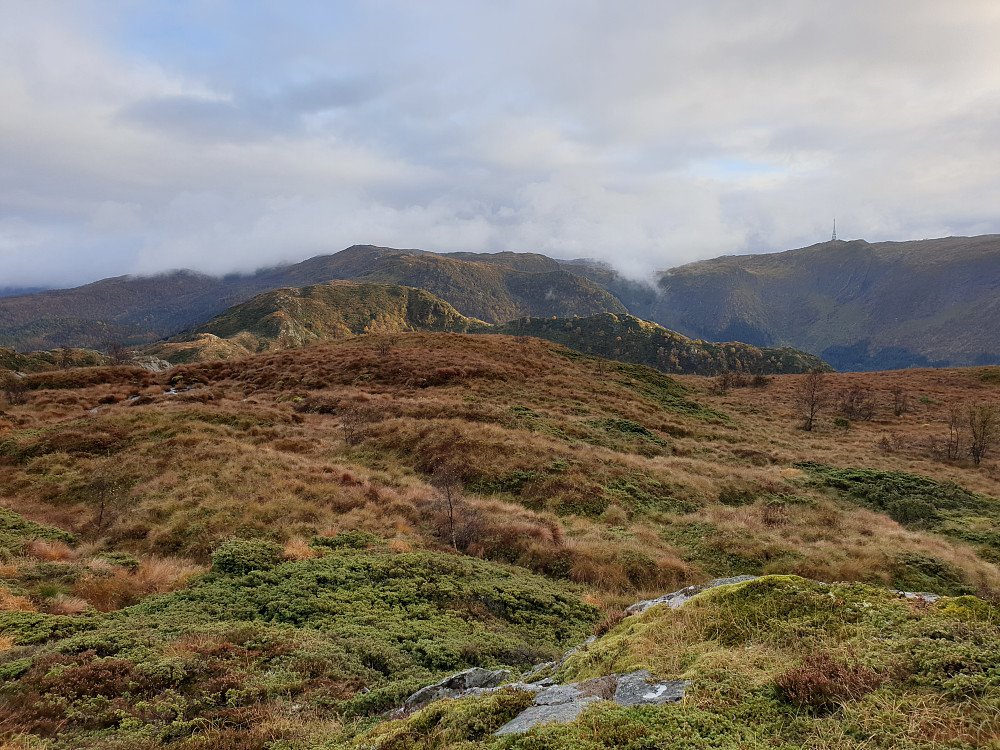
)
(241, 556)
(824, 683)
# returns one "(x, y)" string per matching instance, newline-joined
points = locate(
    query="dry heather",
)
(605, 474)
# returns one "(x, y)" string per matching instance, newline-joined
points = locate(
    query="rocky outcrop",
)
(470, 682)
(677, 598)
(563, 703)
(566, 702)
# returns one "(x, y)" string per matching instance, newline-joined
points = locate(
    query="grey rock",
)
(635, 689)
(538, 668)
(557, 694)
(677, 598)
(538, 715)
(151, 363)
(922, 595)
(457, 685)
(565, 702)
(599, 687)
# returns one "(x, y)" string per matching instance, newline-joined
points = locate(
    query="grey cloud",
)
(201, 118)
(644, 132)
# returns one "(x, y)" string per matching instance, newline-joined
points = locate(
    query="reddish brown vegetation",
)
(823, 683)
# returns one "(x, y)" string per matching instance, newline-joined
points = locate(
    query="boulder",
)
(537, 715)
(566, 702)
(635, 689)
(457, 685)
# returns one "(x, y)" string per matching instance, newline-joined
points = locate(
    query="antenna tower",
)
(834, 238)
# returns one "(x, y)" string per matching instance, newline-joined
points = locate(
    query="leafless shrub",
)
(890, 442)
(953, 444)
(119, 353)
(385, 345)
(14, 388)
(900, 401)
(983, 421)
(823, 683)
(356, 417)
(728, 379)
(448, 482)
(857, 403)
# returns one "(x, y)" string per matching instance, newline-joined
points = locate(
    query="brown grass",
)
(112, 587)
(41, 549)
(67, 605)
(13, 603)
(298, 548)
(190, 470)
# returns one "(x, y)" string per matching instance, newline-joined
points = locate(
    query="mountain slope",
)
(858, 305)
(138, 310)
(628, 339)
(292, 316)
(289, 317)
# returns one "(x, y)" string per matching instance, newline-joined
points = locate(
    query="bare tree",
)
(109, 489)
(900, 401)
(448, 482)
(984, 428)
(953, 444)
(65, 357)
(811, 396)
(115, 349)
(857, 403)
(356, 418)
(14, 388)
(723, 382)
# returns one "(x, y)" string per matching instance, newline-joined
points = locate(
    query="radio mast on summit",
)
(834, 238)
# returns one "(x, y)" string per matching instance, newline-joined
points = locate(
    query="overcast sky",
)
(143, 135)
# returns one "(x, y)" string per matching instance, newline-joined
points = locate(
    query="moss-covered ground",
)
(780, 662)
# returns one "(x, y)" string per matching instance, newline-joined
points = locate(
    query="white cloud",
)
(224, 136)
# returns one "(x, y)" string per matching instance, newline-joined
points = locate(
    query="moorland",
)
(273, 551)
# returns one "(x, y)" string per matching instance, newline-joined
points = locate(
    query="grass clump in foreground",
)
(350, 633)
(776, 662)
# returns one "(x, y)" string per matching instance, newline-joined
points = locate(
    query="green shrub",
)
(911, 510)
(943, 507)
(347, 540)
(121, 559)
(240, 556)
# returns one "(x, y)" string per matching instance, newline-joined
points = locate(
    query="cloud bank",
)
(224, 136)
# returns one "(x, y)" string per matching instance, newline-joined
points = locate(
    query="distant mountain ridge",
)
(140, 310)
(627, 338)
(859, 306)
